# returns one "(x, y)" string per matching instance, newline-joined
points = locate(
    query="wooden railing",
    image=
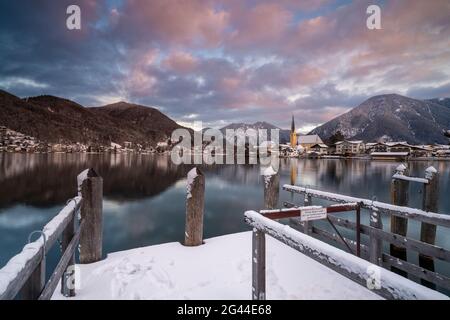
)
(24, 276)
(373, 249)
(382, 282)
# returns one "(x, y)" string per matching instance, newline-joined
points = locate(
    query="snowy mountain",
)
(442, 101)
(284, 134)
(391, 117)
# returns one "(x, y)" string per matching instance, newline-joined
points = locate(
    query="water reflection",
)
(144, 196)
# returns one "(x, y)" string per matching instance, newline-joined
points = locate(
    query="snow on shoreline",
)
(220, 269)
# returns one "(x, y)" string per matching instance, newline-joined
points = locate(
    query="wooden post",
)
(271, 190)
(428, 231)
(91, 238)
(67, 236)
(376, 244)
(35, 283)
(307, 225)
(195, 206)
(258, 265)
(399, 225)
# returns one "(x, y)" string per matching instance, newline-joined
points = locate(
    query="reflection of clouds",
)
(113, 207)
(20, 217)
(180, 184)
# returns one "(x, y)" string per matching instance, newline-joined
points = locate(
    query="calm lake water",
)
(144, 196)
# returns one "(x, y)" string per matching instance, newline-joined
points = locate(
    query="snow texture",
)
(412, 179)
(221, 269)
(430, 172)
(268, 172)
(398, 286)
(190, 181)
(401, 168)
(80, 178)
(17, 263)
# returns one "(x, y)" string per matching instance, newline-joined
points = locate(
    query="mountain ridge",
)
(58, 120)
(391, 117)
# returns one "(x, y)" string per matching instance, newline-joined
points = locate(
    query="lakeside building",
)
(350, 147)
(389, 156)
(320, 148)
(308, 141)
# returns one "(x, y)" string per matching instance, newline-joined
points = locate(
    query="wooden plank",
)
(388, 260)
(195, 207)
(66, 238)
(19, 268)
(389, 286)
(409, 179)
(61, 267)
(271, 191)
(384, 208)
(296, 212)
(399, 225)
(91, 239)
(428, 231)
(401, 241)
(376, 245)
(430, 276)
(358, 231)
(323, 234)
(258, 265)
(35, 283)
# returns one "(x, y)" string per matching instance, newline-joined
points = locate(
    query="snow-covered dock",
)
(219, 269)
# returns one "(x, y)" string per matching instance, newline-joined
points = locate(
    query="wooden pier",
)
(24, 276)
(397, 238)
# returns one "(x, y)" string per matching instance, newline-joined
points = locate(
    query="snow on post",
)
(271, 187)
(430, 203)
(90, 186)
(399, 225)
(195, 206)
(430, 172)
(401, 168)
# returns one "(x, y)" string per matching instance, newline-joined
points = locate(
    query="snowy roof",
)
(389, 153)
(312, 138)
(350, 141)
(321, 145)
(392, 143)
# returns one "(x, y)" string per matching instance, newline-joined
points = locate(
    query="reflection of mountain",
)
(49, 179)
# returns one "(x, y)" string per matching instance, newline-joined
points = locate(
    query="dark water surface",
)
(144, 196)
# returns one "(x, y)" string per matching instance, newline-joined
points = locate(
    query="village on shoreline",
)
(300, 146)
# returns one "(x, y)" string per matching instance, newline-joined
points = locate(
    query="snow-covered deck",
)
(219, 269)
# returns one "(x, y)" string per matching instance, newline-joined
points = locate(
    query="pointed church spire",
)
(293, 135)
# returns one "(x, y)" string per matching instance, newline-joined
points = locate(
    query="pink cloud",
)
(174, 22)
(180, 62)
(266, 22)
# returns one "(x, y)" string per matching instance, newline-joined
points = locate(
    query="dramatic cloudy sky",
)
(228, 60)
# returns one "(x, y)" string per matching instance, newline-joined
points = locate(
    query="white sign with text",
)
(314, 213)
